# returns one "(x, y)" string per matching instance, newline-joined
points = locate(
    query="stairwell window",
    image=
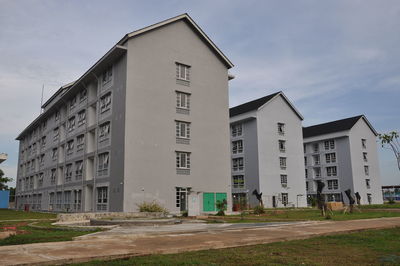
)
(368, 183)
(282, 162)
(331, 171)
(365, 157)
(107, 76)
(329, 144)
(105, 103)
(104, 131)
(237, 164)
(238, 181)
(333, 184)
(282, 145)
(182, 72)
(281, 128)
(364, 143)
(236, 130)
(182, 160)
(237, 146)
(284, 180)
(78, 170)
(366, 169)
(182, 100)
(103, 163)
(330, 157)
(81, 117)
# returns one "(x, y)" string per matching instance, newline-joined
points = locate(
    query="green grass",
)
(372, 247)
(6, 214)
(382, 206)
(302, 215)
(27, 234)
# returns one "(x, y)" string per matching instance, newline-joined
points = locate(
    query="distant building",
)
(3, 157)
(343, 154)
(267, 152)
(149, 121)
(391, 193)
(4, 199)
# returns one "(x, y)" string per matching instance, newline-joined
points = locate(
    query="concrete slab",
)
(118, 243)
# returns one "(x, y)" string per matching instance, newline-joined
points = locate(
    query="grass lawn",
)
(6, 214)
(382, 206)
(302, 215)
(373, 247)
(27, 234)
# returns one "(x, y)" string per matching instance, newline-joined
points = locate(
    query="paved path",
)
(125, 244)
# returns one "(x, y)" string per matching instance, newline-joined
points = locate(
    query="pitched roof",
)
(334, 126)
(256, 104)
(252, 105)
(191, 22)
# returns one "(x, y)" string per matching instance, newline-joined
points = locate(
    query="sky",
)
(333, 59)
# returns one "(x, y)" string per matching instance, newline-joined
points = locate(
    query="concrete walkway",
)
(126, 244)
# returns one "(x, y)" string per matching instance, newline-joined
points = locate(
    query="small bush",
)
(258, 210)
(185, 214)
(221, 206)
(391, 201)
(151, 207)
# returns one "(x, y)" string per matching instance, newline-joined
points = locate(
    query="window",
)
(317, 172)
(57, 116)
(365, 157)
(329, 144)
(284, 180)
(282, 145)
(330, 157)
(77, 199)
(53, 177)
(72, 103)
(83, 95)
(104, 131)
(238, 181)
(305, 160)
(82, 117)
(366, 169)
(369, 198)
(102, 198)
(306, 173)
(237, 164)
(40, 180)
(182, 100)
(70, 146)
(56, 134)
(34, 149)
(236, 130)
(331, 171)
(307, 186)
(281, 128)
(364, 143)
(44, 125)
(78, 170)
(285, 199)
(68, 172)
(80, 142)
(182, 160)
(368, 183)
(41, 159)
(51, 200)
(282, 162)
(237, 146)
(67, 200)
(59, 200)
(182, 71)
(71, 124)
(315, 147)
(107, 76)
(105, 103)
(54, 154)
(333, 184)
(182, 129)
(316, 159)
(43, 142)
(103, 163)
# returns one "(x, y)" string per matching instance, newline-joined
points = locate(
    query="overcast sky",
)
(333, 59)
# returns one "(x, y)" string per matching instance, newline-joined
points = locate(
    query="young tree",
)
(391, 141)
(3, 181)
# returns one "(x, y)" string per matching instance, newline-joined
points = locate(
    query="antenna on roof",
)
(41, 101)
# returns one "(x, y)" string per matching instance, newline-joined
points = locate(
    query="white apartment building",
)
(267, 152)
(139, 125)
(343, 154)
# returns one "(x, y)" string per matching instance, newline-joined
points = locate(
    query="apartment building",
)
(343, 154)
(148, 121)
(267, 152)
(3, 157)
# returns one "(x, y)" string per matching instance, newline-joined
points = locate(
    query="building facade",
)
(267, 153)
(343, 154)
(139, 125)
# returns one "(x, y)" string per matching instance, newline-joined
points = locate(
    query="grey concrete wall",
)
(150, 142)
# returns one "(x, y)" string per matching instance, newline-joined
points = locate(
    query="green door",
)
(208, 202)
(220, 197)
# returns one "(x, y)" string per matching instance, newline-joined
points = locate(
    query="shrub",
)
(185, 214)
(391, 201)
(151, 207)
(221, 206)
(258, 210)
